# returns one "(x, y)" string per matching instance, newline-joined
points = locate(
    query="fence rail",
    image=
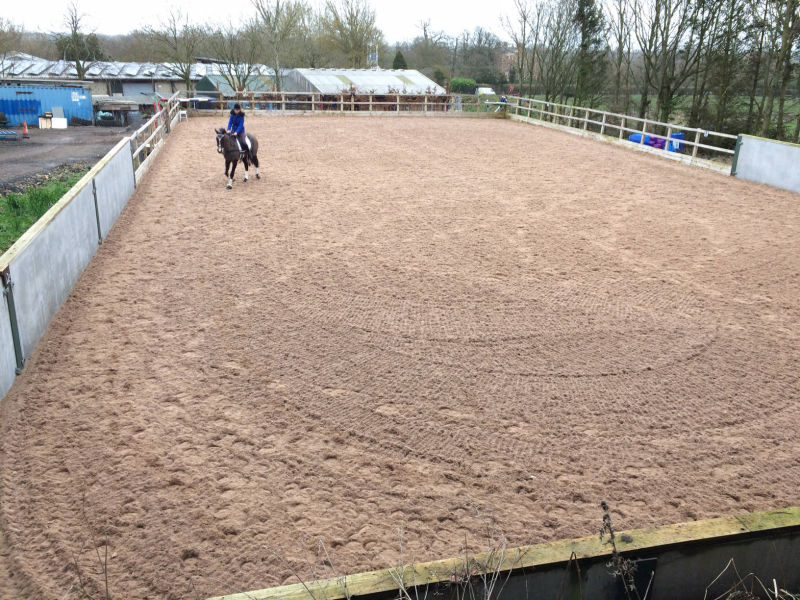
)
(342, 102)
(601, 121)
(149, 138)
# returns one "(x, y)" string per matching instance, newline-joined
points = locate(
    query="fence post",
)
(569, 121)
(603, 124)
(283, 102)
(669, 138)
(644, 128)
(586, 120)
(621, 129)
(8, 292)
(397, 102)
(341, 102)
(696, 141)
(370, 103)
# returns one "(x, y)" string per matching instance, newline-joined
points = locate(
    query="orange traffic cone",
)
(25, 135)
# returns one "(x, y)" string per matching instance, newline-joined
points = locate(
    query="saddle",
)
(243, 150)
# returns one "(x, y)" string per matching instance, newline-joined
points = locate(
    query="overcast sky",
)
(397, 18)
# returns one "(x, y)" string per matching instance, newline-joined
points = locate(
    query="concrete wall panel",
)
(114, 185)
(768, 161)
(46, 269)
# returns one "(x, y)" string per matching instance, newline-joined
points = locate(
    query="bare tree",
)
(10, 44)
(77, 47)
(557, 50)
(788, 24)
(671, 36)
(239, 51)
(521, 28)
(282, 21)
(619, 19)
(177, 42)
(351, 30)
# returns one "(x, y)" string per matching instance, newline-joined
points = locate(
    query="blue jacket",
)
(236, 122)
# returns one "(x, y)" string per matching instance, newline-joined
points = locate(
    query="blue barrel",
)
(676, 146)
(636, 138)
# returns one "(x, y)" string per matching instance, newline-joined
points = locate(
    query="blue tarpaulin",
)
(28, 102)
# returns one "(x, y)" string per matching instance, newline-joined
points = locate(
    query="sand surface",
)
(407, 329)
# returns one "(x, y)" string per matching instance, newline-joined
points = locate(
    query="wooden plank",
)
(538, 555)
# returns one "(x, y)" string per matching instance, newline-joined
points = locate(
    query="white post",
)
(621, 130)
(644, 128)
(586, 120)
(603, 124)
(696, 141)
(370, 103)
(669, 137)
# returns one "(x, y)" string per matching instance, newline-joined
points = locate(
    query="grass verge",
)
(18, 211)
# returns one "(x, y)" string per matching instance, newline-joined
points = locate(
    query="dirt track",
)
(405, 322)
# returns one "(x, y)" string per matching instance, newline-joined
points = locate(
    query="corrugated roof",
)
(377, 81)
(257, 83)
(25, 65)
(323, 81)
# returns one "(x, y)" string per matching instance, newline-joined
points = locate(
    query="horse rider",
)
(236, 127)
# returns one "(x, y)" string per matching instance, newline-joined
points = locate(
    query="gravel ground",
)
(47, 149)
(407, 325)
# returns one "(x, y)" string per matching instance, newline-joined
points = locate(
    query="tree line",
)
(726, 65)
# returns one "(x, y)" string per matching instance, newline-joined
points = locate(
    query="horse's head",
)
(221, 135)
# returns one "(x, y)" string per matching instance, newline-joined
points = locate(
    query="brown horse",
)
(228, 146)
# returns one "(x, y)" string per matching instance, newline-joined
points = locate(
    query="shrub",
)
(462, 85)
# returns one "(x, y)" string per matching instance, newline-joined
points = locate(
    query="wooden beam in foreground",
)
(372, 582)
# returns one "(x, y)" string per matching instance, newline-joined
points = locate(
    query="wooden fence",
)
(704, 144)
(149, 138)
(343, 102)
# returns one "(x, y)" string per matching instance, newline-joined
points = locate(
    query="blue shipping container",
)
(28, 102)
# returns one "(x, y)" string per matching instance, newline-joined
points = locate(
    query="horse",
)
(228, 146)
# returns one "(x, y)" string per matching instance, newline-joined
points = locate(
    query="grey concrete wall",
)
(114, 185)
(45, 271)
(8, 360)
(768, 161)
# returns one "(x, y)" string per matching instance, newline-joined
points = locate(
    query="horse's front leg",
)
(230, 177)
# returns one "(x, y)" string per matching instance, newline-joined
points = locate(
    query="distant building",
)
(26, 101)
(219, 84)
(508, 61)
(361, 81)
(129, 79)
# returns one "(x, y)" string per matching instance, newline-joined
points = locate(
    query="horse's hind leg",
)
(246, 165)
(255, 162)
